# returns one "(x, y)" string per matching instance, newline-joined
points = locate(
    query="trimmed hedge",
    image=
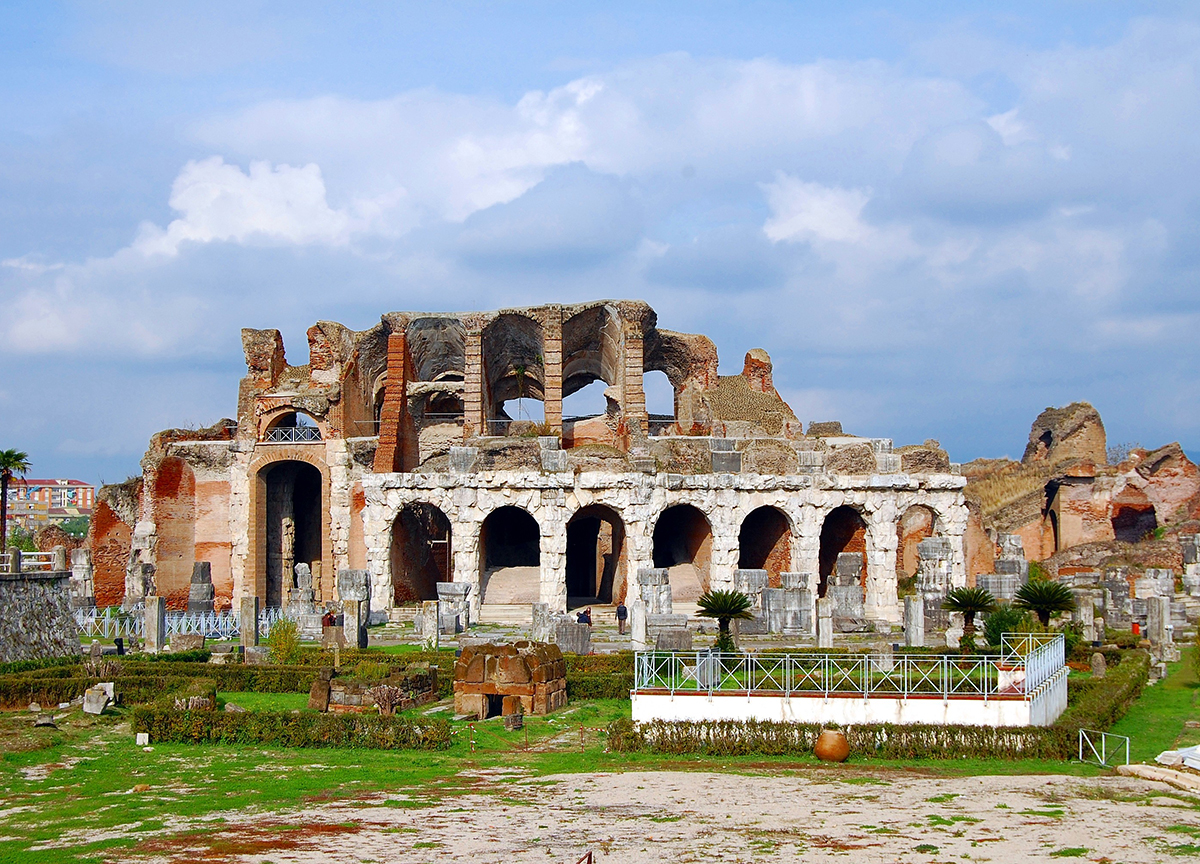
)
(611, 686)
(285, 729)
(1097, 706)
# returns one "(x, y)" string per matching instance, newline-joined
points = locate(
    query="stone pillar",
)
(58, 559)
(825, 622)
(428, 619)
(453, 607)
(248, 619)
(14, 559)
(200, 592)
(654, 588)
(552, 360)
(914, 622)
(637, 624)
(83, 583)
(389, 453)
(474, 403)
(354, 590)
(156, 624)
(633, 394)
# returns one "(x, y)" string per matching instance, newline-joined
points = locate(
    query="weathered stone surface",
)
(187, 641)
(573, 638)
(35, 617)
(927, 458)
(1099, 666)
(673, 639)
(851, 459)
(1073, 432)
(95, 700)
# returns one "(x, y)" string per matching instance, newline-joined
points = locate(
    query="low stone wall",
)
(524, 678)
(339, 695)
(35, 616)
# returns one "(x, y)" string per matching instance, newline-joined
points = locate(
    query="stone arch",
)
(513, 347)
(683, 541)
(596, 559)
(918, 522)
(510, 557)
(844, 529)
(765, 542)
(258, 551)
(1133, 515)
(421, 552)
(288, 416)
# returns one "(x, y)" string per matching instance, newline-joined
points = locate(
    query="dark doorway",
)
(595, 556)
(844, 531)
(683, 544)
(765, 543)
(421, 553)
(293, 525)
(510, 552)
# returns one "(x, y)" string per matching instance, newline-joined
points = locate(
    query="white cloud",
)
(803, 211)
(221, 203)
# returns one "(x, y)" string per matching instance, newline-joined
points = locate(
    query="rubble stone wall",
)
(35, 616)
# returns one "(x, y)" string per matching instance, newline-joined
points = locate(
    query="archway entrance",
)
(683, 544)
(510, 555)
(765, 543)
(595, 557)
(916, 524)
(420, 553)
(1133, 516)
(844, 531)
(293, 525)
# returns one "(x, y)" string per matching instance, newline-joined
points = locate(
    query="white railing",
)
(113, 622)
(1088, 740)
(293, 435)
(29, 561)
(865, 675)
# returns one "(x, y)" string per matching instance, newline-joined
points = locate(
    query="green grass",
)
(1156, 721)
(267, 701)
(1069, 852)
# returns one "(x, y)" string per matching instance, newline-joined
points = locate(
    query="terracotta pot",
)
(832, 746)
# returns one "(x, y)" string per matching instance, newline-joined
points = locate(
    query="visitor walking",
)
(622, 614)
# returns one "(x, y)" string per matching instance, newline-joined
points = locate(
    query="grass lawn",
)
(267, 701)
(1156, 721)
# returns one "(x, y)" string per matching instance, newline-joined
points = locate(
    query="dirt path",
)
(701, 817)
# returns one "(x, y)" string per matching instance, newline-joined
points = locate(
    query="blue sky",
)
(938, 221)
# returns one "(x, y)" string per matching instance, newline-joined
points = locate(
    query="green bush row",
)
(606, 686)
(285, 729)
(42, 663)
(1101, 702)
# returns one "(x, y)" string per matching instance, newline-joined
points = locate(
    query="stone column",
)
(825, 622)
(428, 620)
(474, 403)
(200, 590)
(914, 621)
(156, 624)
(58, 559)
(83, 583)
(880, 602)
(552, 361)
(248, 619)
(637, 624)
(354, 590)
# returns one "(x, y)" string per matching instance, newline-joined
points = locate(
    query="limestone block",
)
(248, 620)
(914, 622)
(573, 638)
(187, 641)
(673, 639)
(256, 655)
(825, 622)
(155, 618)
(95, 700)
(637, 625)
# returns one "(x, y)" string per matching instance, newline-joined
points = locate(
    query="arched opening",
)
(1054, 530)
(510, 552)
(917, 523)
(420, 553)
(293, 528)
(844, 531)
(293, 427)
(513, 363)
(595, 557)
(683, 544)
(660, 400)
(1133, 515)
(765, 543)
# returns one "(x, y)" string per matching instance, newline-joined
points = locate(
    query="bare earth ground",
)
(505, 815)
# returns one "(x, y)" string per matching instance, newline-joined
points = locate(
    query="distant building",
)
(33, 503)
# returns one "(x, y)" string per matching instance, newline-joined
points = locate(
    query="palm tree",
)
(970, 602)
(12, 462)
(1044, 598)
(724, 606)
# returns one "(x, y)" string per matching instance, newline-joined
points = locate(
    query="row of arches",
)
(597, 569)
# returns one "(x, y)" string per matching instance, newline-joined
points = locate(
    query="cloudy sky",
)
(937, 223)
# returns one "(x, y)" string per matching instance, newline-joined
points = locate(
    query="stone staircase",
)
(510, 586)
(506, 614)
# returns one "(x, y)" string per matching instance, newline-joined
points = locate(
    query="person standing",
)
(622, 614)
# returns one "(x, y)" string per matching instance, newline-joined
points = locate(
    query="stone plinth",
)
(454, 607)
(248, 616)
(654, 588)
(573, 638)
(914, 622)
(200, 591)
(534, 672)
(156, 624)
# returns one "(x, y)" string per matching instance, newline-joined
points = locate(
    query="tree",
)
(1044, 598)
(969, 602)
(12, 463)
(724, 606)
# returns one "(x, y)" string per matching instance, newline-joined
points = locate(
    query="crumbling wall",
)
(110, 537)
(35, 617)
(1074, 432)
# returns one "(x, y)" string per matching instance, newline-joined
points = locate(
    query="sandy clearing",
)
(702, 816)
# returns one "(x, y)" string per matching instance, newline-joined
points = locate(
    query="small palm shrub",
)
(969, 602)
(724, 606)
(1045, 598)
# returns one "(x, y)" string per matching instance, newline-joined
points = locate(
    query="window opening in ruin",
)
(916, 524)
(844, 531)
(595, 557)
(660, 400)
(294, 427)
(586, 402)
(510, 551)
(683, 544)
(420, 554)
(293, 529)
(1054, 529)
(765, 543)
(514, 369)
(1132, 523)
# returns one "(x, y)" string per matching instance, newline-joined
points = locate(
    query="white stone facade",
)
(639, 499)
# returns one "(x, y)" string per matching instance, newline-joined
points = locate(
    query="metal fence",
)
(293, 435)
(1093, 747)
(865, 675)
(112, 622)
(28, 561)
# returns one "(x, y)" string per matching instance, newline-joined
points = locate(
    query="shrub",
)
(1005, 619)
(304, 729)
(599, 686)
(283, 642)
(370, 670)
